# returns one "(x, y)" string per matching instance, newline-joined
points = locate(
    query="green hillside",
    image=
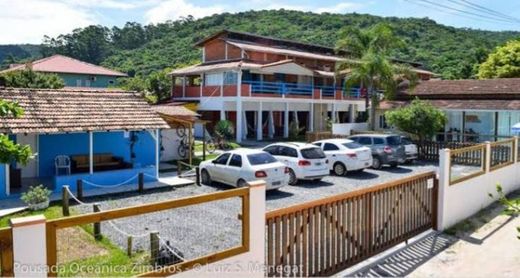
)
(135, 49)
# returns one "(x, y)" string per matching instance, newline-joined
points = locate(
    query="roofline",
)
(24, 65)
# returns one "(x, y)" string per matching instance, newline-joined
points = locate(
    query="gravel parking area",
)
(203, 229)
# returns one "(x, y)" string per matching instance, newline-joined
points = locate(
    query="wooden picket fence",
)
(6, 253)
(323, 237)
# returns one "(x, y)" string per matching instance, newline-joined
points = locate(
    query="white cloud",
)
(109, 4)
(27, 21)
(174, 9)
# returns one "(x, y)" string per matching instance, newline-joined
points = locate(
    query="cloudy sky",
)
(28, 21)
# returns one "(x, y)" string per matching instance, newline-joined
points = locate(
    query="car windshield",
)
(260, 158)
(393, 140)
(353, 145)
(313, 153)
(406, 141)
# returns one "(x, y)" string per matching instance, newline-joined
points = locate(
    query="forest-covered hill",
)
(141, 50)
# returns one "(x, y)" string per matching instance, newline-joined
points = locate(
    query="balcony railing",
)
(283, 88)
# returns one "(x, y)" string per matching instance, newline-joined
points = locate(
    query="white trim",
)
(286, 121)
(7, 181)
(37, 156)
(91, 152)
(311, 118)
(157, 137)
(203, 54)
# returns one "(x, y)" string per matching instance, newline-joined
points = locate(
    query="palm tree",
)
(367, 63)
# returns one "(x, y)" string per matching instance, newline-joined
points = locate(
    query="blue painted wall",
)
(2, 180)
(102, 81)
(104, 142)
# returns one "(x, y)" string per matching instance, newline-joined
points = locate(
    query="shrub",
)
(225, 129)
(36, 194)
(294, 130)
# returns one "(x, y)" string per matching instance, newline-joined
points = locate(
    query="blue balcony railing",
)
(283, 88)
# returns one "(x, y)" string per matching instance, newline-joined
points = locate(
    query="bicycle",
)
(183, 147)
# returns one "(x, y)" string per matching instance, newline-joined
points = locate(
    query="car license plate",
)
(366, 163)
(277, 183)
(318, 164)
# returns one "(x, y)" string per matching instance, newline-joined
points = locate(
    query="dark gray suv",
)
(386, 148)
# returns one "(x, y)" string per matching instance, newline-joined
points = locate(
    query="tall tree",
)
(503, 63)
(368, 63)
(31, 79)
(10, 151)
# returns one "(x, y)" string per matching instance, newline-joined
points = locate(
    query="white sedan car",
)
(240, 166)
(345, 155)
(305, 161)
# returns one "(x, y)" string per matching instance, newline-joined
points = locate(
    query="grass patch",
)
(51, 212)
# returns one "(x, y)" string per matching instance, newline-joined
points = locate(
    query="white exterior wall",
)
(170, 142)
(462, 200)
(346, 128)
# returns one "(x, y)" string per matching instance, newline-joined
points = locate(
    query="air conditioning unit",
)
(326, 68)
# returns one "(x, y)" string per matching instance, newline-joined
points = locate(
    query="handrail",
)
(467, 149)
(327, 200)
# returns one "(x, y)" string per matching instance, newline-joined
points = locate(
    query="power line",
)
(450, 12)
(484, 9)
(467, 12)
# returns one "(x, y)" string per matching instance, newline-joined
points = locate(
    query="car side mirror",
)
(214, 161)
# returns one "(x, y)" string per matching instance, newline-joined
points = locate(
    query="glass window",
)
(353, 145)
(317, 144)
(273, 150)
(213, 79)
(330, 147)
(230, 78)
(379, 141)
(365, 140)
(222, 159)
(260, 158)
(313, 153)
(290, 152)
(406, 141)
(479, 126)
(504, 123)
(393, 140)
(236, 160)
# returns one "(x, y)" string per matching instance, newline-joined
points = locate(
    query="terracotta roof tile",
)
(65, 110)
(467, 87)
(64, 64)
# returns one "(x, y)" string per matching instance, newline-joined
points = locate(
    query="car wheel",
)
(241, 183)
(292, 177)
(376, 163)
(339, 169)
(393, 164)
(205, 177)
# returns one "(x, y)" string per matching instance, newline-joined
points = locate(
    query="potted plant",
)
(37, 197)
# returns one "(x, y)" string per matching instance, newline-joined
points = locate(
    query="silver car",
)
(386, 148)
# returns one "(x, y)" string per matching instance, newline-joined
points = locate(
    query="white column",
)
(157, 138)
(286, 121)
(184, 86)
(240, 126)
(222, 113)
(444, 183)
(259, 120)
(296, 118)
(352, 113)
(311, 118)
(91, 152)
(29, 246)
(270, 128)
(201, 84)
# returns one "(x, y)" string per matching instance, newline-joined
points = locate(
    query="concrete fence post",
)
(444, 183)
(29, 246)
(487, 161)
